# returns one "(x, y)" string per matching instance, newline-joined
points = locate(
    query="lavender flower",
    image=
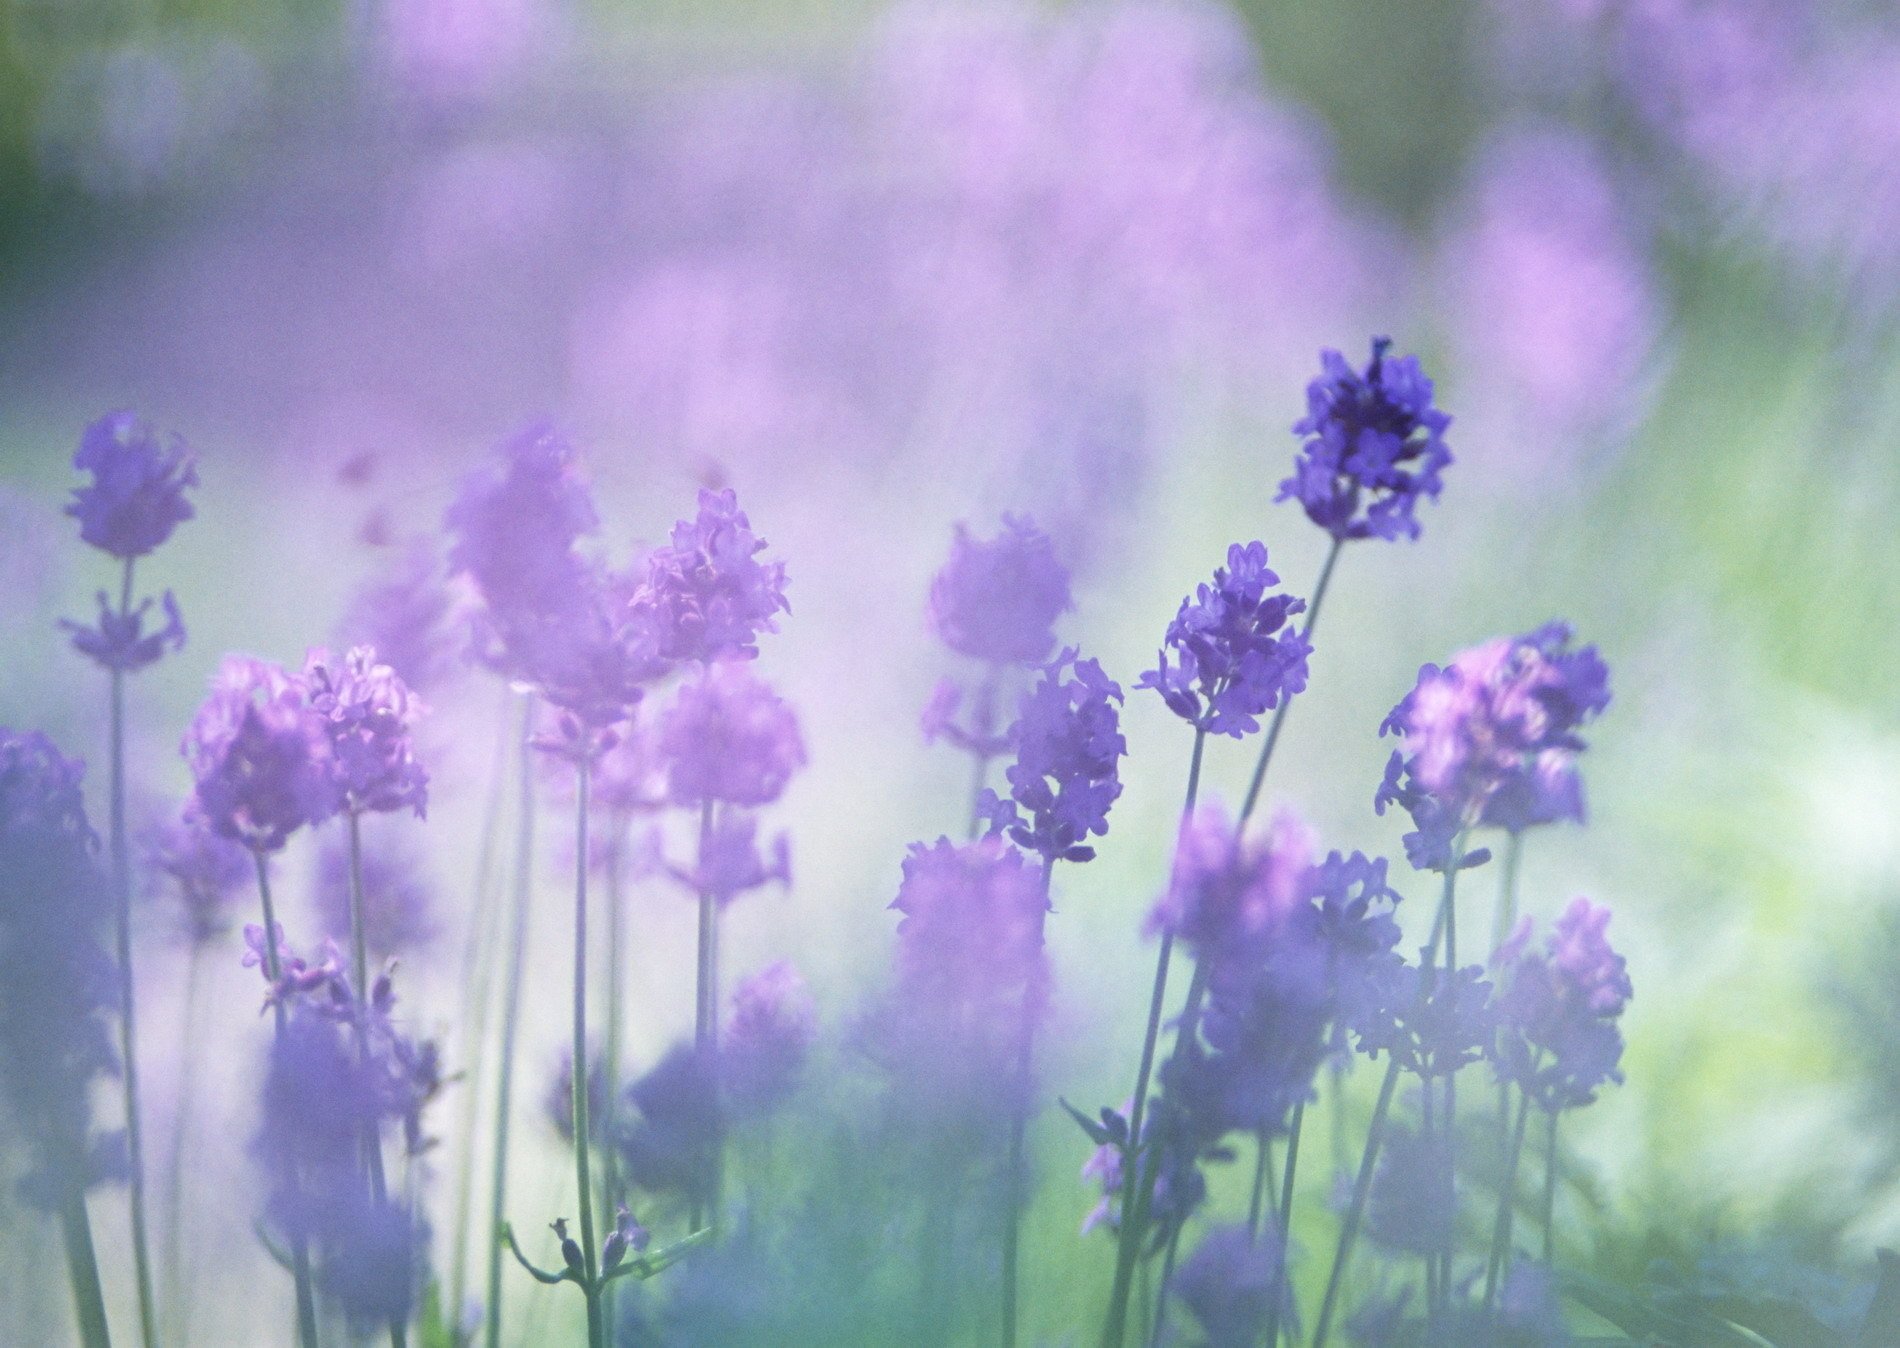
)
(207, 872)
(375, 1258)
(1434, 1021)
(408, 616)
(673, 1124)
(56, 981)
(997, 599)
(119, 640)
(1228, 1284)
(1492, 738)
(558, 1103)
(729, 737)
(398, 895)
(1227, 890)
(766, 1040)
(1560, 1007)
(1414, 1202)
(137, 493)
(1374, 445)
(1068, 738)
(261, 755)
(318, 1100)
(1234, 656)
(369, 716)
(731, 862)
(706, 595)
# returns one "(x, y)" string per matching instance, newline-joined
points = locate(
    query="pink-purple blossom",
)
(997, 599)
(369, 716)
(137, 493)
(729, 737)
(260, 755)
(706, 596)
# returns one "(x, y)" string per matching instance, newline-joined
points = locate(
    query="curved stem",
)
(1018, 1130)
(583, 1143)
(82, 1267)
(1507, 1204)
(510, 1021)
(128, 1012)
(1279, 712)
(176, 1267)
(299, 1247)
(1280, 1289)
(1361, 1189)
(1262, 1164)
(1160, 1315)
(1135, 1214)
(1550, 1194)
(372, 1142)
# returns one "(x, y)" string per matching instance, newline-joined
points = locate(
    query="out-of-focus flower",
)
(1414, 1202)
(559, 1101)
(980, 737)
(120, 641)
(1234, 655)
(1374, 445)
(1068, 740)
(137, 493)
(398, 893)
(1493, 738)
(374, 1257)
(766, 1040)
(260, 755)
(318, 1100)
(706, 595)
(408, 616)
(369, 716)
(1560, 1008)
(208, 872)
(998, 599)
(729, 737)
(318, 982)
(1227, 890)
(56, 981)
(672, 1125)
(731, 862)
(1435, 1022)
(1227, 1284)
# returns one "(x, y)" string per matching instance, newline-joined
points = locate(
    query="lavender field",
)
(1130, 672)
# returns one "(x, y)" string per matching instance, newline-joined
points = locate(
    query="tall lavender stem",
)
(510, 1021)
(1262, 1167)
(1279, 712)
(359, 972)
(1285, 1220)
(175, 1280)
(1135, 1213)
(1361, 1190)
(82, 1268)
(1550, 1193)
(1507, 1203)
(1018, 1130)
(610, 1054)
(706, 1016)
(299, 1247)
(128, 1017)
(596, 1327)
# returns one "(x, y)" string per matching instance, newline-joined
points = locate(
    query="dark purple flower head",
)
(369, 716)
(120, 641)
(706, 595)
(374, 1257)
(318, 1099)
(998, 599)
(1068, 740)
(1492, 738)
(260, 755)
(398, 894)
(558, 1103)
(732, 863)
(1560, 1007)
(207, 872)
(1434, 1021)
(137, 493)
(1350, 924)
(1374, 444)
(766, 1040)
(970, 963)
(671, 1130)
(1228, 891)
(1227, 1284)
(56, 982)
(729, 737)
(409, 615)
(1234, 654)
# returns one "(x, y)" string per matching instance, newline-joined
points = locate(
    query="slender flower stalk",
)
(596, 1326)
(1550, 1192)
(82, 1270)
(1285, 1224)
(1507, 1204)
(510, 1023)
(612, 1012)
(706, 1009)
(1356, 1210)
(177, 1284)
(1267, 745)
(1014, 1167)
(1134, 1220)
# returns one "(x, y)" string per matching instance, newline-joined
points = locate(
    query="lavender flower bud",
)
(997, 599)
(137, 493)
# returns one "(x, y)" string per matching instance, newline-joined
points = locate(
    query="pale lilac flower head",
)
(1492, 738)
(119, 640)
(260, 755)
(729, 737)
(1065, 778)
(137, 493)
(1560, 1006)
(369, 716)
(1228, 891)
(998, 599)
(408, 615)
(767, 1038)
(56, 981)
(374, 1257)
(707, 595)
(1234, 651)
(208, 872)
(1374, 445)
(673, 1124)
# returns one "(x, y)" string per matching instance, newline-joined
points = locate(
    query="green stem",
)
(596, 1335)
(1361, 1189)
(82, 1267)
(1279, 712)
(1286, 1224)
(128, 1014)
(299, 1247)
(372, 1141)
(475, 984)
(1163, 1286)
(1256, 1201)
(610, 1056)
(1550, 1194)
(1135, 1213)
(982, 722)
(706, 1022)
(1451, 1094)
(510, 1022)
(1507, 1203)
(176, 1266)
(1018, 1132)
